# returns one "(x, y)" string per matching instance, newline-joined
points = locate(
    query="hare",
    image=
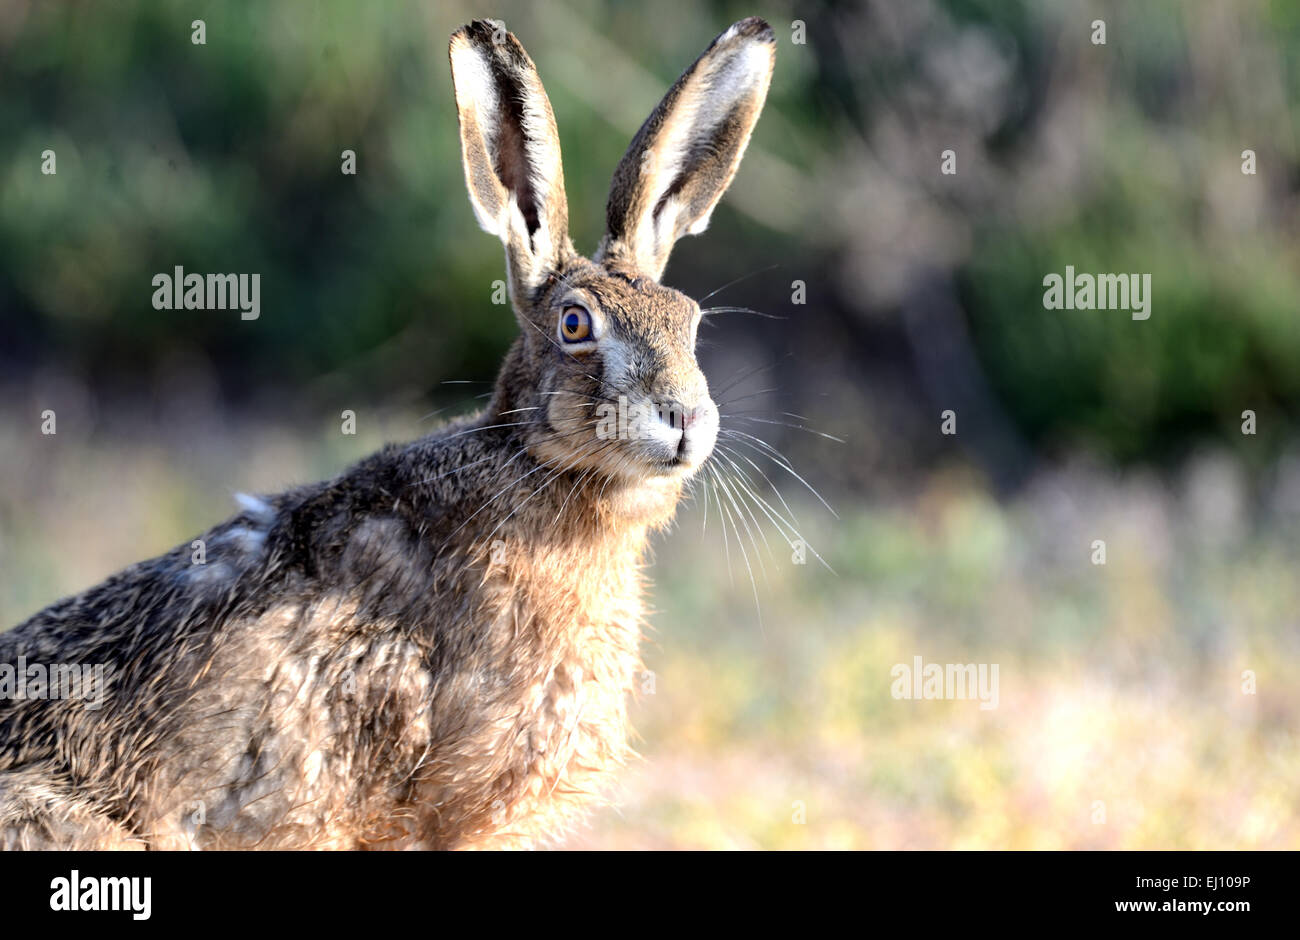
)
(436, 649)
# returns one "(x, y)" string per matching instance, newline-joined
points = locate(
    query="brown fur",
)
(435, 649)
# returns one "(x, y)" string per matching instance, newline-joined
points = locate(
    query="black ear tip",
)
(491, 38)
(464, 35)
(754, 27)
(482, 31)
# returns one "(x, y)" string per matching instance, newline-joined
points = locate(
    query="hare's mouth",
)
(672, 465)
(681, 461)
(655, 462)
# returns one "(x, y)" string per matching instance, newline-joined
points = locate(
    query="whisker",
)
(457, 469)
(781, 461)
(744, 555)
(564, 391)
(504, 491)
(744, 277)
(797, 427)
(770, 511)
(712, 311)
(436, 412)
(486, 427)
(540, 488)
(731, 401)
(743, 510)
(726, 542)
(704, 528)
(744, 374)
(588, 472)
(759, 470)
(567, 354)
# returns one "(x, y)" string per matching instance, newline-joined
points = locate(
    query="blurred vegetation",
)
(924, 290)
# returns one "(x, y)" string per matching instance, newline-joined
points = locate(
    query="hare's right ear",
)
(511, 151)
(683, 158)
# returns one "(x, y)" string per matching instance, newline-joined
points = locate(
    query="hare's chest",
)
(569, 666)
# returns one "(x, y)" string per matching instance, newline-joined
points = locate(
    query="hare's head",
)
(604, 376)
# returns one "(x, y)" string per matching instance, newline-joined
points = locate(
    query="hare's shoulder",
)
(374, 514)
(128, 605)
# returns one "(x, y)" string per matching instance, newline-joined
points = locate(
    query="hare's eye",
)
(575, 324)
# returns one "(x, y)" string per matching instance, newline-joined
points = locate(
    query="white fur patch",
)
(476, 93)
(724, 81)
(617, 357)
(249, 541)
(259, 509)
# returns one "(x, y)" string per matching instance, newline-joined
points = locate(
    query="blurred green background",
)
(1121, 684)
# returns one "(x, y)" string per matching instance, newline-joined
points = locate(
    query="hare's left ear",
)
(683, 158)
(511, 151)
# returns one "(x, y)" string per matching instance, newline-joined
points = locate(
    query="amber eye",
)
(575, 324)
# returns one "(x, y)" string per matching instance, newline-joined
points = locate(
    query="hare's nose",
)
(699, 432)
(681, 417)
(691, 416)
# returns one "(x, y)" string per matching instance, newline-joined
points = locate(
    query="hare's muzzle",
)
(699, 433)
(674, 436)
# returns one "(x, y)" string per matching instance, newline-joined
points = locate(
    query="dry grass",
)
(1119, 683)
